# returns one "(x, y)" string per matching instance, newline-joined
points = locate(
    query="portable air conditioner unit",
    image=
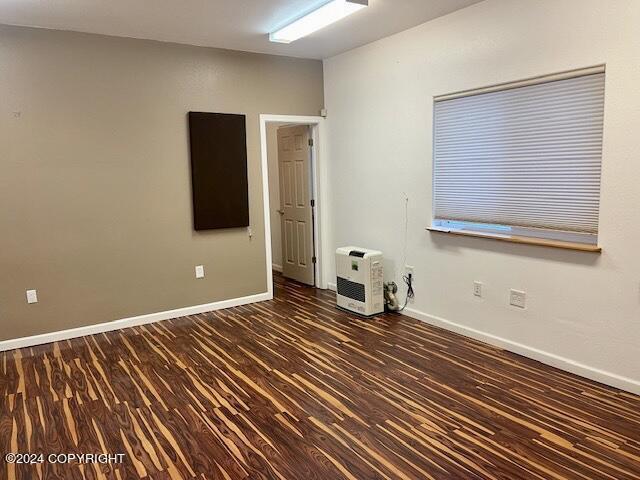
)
(359, 285)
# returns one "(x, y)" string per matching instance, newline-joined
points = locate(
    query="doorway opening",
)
(291, 147)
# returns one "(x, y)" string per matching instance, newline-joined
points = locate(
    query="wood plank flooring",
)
(294, 389)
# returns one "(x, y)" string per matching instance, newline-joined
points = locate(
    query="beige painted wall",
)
(583, 310)
(95, 183)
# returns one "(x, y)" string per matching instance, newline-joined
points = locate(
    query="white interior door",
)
(296, 213)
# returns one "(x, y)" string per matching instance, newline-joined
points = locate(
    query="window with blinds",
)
(522, 158)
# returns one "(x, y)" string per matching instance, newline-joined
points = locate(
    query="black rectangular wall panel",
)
(218, 144)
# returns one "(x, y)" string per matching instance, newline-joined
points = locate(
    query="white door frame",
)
(319, 174)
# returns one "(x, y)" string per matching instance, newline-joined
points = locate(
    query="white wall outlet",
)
(408, 269)
(477, 288)
(518, 298)
(32, 296)
(199, 271)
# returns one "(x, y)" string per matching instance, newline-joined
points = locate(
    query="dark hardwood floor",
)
(294, 389)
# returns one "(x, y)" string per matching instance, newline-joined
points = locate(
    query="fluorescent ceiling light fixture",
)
(325, 15)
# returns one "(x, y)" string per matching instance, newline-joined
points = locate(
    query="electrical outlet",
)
(32, 296)
(199, 271)
(477, 289)
(518, 298)
(408, 269)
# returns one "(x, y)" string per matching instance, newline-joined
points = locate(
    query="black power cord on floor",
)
(408, 280)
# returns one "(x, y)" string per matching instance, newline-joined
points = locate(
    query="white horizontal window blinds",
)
(522, 155)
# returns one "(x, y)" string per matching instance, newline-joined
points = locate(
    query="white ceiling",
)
(233, 24)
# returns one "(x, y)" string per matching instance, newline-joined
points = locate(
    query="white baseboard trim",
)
(130, 322)
(276, 268)
(331, 286)
(566, 364)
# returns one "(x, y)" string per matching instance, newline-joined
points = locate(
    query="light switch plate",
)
(199, 271)
(518, 298)
(32, 296)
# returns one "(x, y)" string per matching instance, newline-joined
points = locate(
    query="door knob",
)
(281, 212)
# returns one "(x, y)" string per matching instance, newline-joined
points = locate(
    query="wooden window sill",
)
(583, 247)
